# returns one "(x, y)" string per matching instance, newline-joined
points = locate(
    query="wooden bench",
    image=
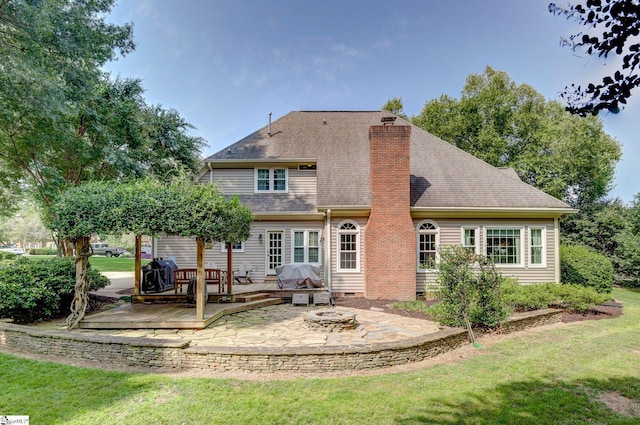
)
(183, 276)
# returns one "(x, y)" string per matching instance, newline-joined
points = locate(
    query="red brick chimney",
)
(390, 239)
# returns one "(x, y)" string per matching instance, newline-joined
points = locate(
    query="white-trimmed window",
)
(504, 245)
(537, 246)
(305, 246)
(471, 239)
(271, 180)
(428, 241)
(348, 247)
(235, 247)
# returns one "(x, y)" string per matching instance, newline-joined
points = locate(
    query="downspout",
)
(210, 173)
(556, 241)
(328, 254)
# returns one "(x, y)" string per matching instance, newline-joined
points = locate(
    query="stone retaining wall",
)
(172, 354)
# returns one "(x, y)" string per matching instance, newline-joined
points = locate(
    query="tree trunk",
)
(81, 297)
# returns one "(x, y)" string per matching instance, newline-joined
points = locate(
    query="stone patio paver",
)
(282, 326)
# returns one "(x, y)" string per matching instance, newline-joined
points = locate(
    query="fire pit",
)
(329, 320)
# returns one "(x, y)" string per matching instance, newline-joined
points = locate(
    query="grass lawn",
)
(555, 376)
(105, 264)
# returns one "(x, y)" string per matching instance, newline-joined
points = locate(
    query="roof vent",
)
(229, 152)
(387, 120)
(269, 127)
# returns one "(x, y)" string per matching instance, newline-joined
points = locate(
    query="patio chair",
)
(242, 275)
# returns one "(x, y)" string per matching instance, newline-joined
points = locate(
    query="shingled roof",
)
(442, 176)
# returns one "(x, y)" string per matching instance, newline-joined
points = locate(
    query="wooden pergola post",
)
(201, 301)
(229, 267)
(137, 267)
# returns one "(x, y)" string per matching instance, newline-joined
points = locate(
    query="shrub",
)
(34, 290)
(42, 251)
(469, 289)
(525, 298)
(534, 297)
(576, 297)
(580, 265)
(4, 255)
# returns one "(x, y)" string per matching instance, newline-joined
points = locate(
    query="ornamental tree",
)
(145, 207)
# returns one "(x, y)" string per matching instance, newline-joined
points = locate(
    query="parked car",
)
(100, 248)
(12, 249)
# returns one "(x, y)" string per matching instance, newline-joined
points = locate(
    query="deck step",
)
(244, 298)
(250, 305)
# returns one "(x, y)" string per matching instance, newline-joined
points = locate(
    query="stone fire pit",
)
(329, 320)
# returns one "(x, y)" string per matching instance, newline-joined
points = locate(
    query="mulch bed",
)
(606, 311)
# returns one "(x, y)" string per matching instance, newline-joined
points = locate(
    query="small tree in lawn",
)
(468, 290)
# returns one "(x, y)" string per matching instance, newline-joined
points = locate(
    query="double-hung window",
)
(471, 239)
(348, 247)
(306, 246)
(235, 247)
(504, 245)
(428, 241)
(271, 180)
(537, 252)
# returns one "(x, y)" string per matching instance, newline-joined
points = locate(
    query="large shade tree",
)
(63, 121)
(611, 29)
(511, 125)
(148, 207)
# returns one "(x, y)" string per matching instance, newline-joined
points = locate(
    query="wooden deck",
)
(170, 311)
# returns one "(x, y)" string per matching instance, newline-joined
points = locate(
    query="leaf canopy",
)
(150, 207)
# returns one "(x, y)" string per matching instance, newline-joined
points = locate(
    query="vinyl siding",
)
(240, 181)
(451, 234)
(346, 282)
(184, 249)
(233, 181)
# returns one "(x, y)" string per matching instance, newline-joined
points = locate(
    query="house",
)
(370, 198)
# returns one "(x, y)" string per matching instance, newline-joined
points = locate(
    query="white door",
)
(275, 250)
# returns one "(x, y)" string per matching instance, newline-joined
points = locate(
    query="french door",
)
(275, 250)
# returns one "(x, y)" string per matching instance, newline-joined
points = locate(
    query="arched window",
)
(348, 241)
(428, 241)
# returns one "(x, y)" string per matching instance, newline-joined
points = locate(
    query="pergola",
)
(147, 207)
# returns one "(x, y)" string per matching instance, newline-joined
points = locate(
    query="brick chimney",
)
(390, 239)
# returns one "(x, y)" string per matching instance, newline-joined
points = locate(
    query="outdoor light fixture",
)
(260, 238)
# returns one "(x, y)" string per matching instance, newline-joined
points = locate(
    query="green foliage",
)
(414, 305)
(42, 251)
(7, 255)
(34, 290)
(582, 266)
(396, 107)
(469, 288)
(63, 121)
(533, 297)
(509, 125)
(612, 28)
(150, 207)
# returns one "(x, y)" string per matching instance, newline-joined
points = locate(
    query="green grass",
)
(106, 264)
(549, 377)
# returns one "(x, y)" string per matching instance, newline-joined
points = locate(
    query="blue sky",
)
(224, 65)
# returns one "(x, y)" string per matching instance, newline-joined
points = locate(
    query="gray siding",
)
(232, 181)
(184, 249)
(451, 234)
(347, 282)
(240, 181)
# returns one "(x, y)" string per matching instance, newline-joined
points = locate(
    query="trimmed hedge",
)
(35, 290)
(42, 251)
(582, 266)
(533, 297)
